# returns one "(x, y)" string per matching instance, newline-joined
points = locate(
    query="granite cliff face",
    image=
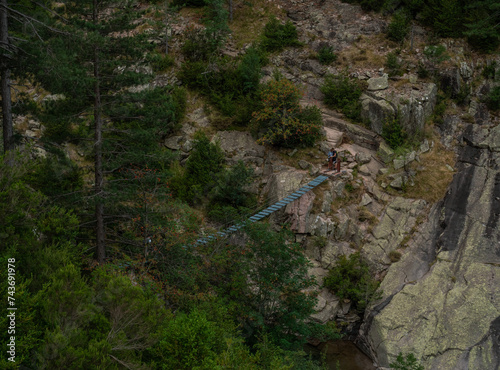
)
(442, 300)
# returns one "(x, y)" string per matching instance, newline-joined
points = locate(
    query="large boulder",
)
(376, 111)
(281, 184)
(238, 144)
(441, 301)
(414, 103)
(326, 308)
(378, 83)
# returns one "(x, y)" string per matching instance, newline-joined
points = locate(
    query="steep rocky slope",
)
(442, 300)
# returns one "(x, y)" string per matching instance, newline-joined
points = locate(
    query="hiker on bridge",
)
(332, 159)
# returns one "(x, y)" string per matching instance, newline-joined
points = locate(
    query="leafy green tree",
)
(273, 300)
(350, 278)
(393, 132)
(278, 36)
(216, 24)
(343, 93)
(192, 341)
(35, 236)
(229, 198)
(204, 163)
(104, 324)
(229, 186)
(399, 27)
(281, 120)
(249, 70)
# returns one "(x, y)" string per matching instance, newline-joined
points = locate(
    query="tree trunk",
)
(167, 29)
(99, 176)
(230, 10)
(8, 143)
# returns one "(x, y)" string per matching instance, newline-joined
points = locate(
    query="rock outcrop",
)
(397, 222)
(441, 301)
(414, 104)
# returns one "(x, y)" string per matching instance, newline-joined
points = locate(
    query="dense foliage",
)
(343, 94)
(155, 299)
(399, 26)
(350, 278)
(326, 55)
(393, 133)
(281, 119)
(493, 99)
(278, 36)
(230, 86)
(74, 313)
(446, 17)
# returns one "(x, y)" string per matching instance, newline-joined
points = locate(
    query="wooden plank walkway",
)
(271, 209)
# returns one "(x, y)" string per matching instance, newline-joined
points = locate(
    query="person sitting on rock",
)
(332, 158)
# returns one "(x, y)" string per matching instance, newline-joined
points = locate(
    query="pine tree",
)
(484, 28)
(102, 71)
(26, 20)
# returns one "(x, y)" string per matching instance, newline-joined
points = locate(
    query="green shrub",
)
(191, 341)
(413, 6)
(422, 71)
(282, 120)
(408, 362)
(204, 163)
(229, 187)
(179, 99)
(392, 63)
(399, 27)
(350, 278)
(374, 5)
(56, 175)
(192, 74)
(57, 130)
(439, 109)
(436, 53)
(198, 46)
(493, 100)
(349, 188)
(229, 86)
(160, 63)
(216, 22)
(490, 70)
(393, 133)
(343, 93)
(326, 55)
(278, 36)
(249, 70)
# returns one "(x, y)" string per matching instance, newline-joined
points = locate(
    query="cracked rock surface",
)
(441, 301)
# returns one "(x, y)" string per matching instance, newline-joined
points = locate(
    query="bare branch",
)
(27, 17)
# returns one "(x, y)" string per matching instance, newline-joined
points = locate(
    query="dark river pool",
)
(344, 353)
